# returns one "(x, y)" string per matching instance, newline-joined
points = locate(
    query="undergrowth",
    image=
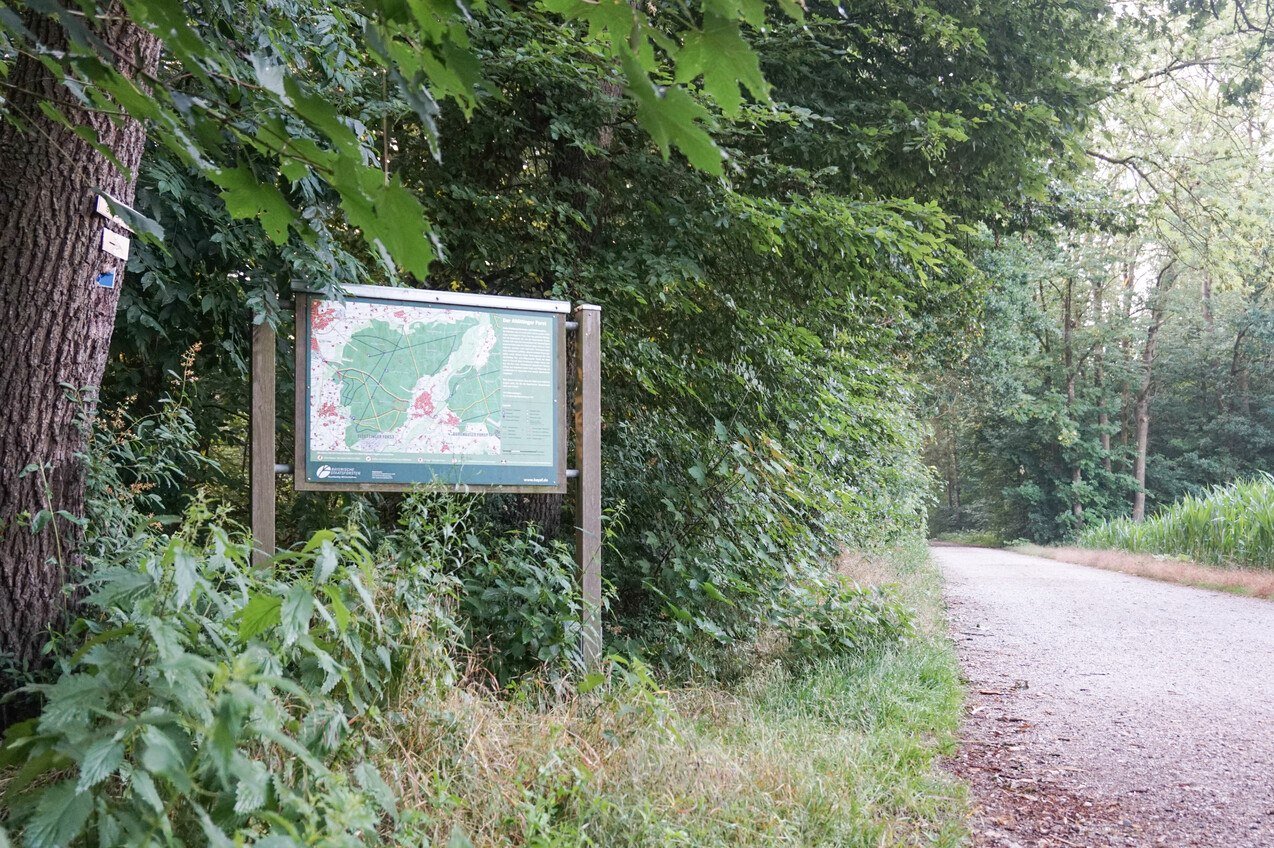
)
(834, 751)
(418, 686)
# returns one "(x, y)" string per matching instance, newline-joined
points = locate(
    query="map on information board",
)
(407, 392)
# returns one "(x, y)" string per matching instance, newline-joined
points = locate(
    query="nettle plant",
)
(212, 702)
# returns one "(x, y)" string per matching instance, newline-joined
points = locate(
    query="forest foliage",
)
(1125, 352)
(789, 216)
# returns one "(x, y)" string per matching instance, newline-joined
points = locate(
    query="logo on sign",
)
(324, 471)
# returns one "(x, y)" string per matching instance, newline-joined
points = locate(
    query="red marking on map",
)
(314, 345)
(328, 410)
(400, 313)
(424, 405)
(322, 314)
(450, 419)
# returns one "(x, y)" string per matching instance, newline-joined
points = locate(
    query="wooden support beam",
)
(588, 486)
(262, 443)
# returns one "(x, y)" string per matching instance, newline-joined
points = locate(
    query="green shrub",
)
(1226, 525)
(209, 701)
(826, 620)
(511, 595)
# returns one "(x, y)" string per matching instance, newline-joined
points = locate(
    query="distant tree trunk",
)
(1205, 300)
(1099, 379)
(1068, 364)
(1239, 375)
(57, 319)
(1144, 390)
(1103, 414)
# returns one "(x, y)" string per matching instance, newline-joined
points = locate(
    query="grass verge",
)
(1253, 582)
(843, 752)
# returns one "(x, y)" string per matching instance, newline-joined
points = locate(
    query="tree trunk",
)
(58, 321)
(1068, 363)
(1125, 348)
(1143, 443)
(1239, 376)
(1143, 391)
(1205, 300)
(1103, 414)
(1099, 377)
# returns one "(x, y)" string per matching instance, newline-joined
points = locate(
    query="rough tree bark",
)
(58, 320)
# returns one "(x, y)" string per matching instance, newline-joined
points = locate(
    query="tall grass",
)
(842, 751)
(1228, 525)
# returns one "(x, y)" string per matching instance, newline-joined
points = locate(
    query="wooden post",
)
(262, 447)
(588, 490)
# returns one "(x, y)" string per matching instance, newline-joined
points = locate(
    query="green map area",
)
(475, 395)
(381, 366)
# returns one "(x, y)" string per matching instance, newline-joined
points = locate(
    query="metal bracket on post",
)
(588, 483)
(262, 443)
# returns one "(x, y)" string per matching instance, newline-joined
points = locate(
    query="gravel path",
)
(1111, 710)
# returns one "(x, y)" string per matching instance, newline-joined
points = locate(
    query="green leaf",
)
(260, 614)
(720, 54)
(144, 788)
(295, 613)
(246, 197)
(70, 701)
(713, 592)
(140, 224)
(215, 836)
(371, 781)
(37, 766)
(458, 838)
(391, 219)
(185, 573)
(325, 563)
(17, 738)
(610, 21)
(41, 520)
(591, 681)
(253, 784)
(672, 117)
(339, 610)
(59, 816)
(101, 760)
(162, 758)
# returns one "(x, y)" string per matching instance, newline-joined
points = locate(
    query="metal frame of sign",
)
(417, 298)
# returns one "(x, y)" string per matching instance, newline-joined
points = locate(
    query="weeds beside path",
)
(843, 752)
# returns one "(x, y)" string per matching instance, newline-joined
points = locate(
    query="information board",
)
(398, 388)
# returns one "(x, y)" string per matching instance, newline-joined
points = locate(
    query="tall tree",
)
(1155, 306)
(59, 317)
